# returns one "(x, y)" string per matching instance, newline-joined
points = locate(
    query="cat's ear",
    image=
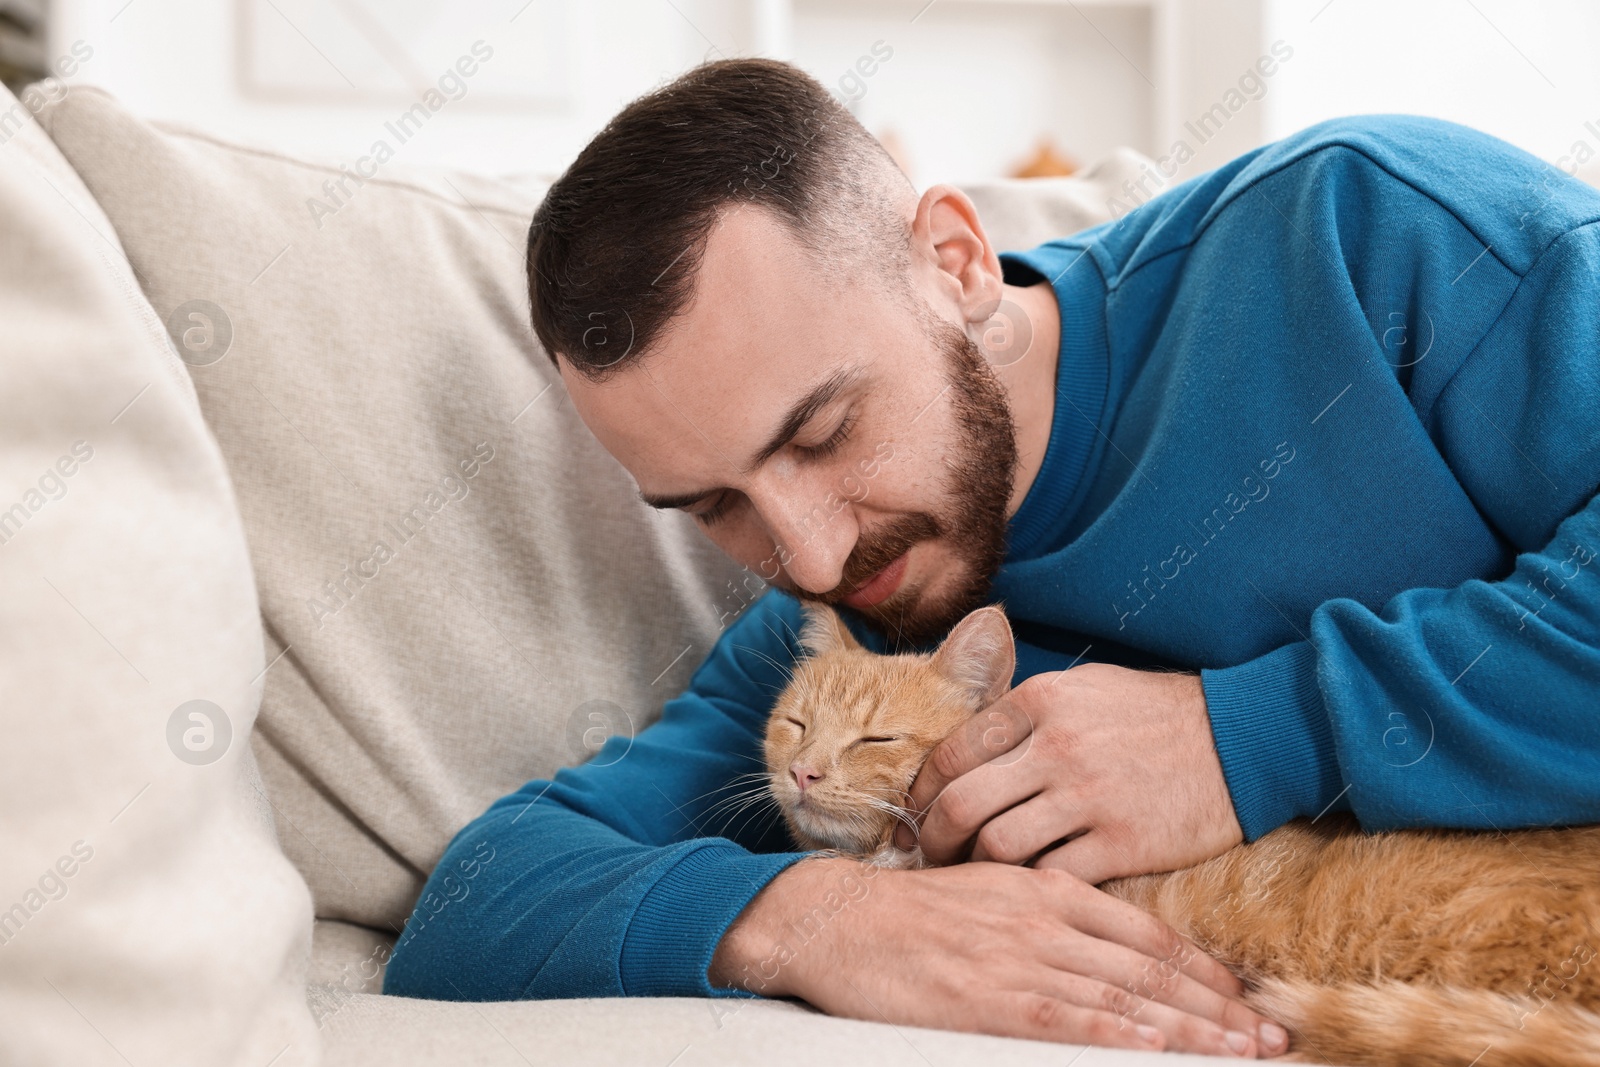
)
(823, 630)
(979, 655)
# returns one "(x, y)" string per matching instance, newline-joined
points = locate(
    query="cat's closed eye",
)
(879, 739)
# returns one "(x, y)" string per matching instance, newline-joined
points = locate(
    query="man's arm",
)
(1473, 706)
(990, 948)
(602, 882)
(617, 877)
(1466, 706)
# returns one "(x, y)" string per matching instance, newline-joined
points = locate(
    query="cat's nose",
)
(803, 776)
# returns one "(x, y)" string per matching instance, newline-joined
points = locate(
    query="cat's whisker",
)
(899, 813)
(753, 813)
(771, 813)
(901, 800)
(749, 776)
(739, 798)
(753, 778)
(753, 806)
(737, 803)
(794, 638)
(755, 790)
(785, 670)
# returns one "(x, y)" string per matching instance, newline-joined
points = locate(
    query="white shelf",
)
(1089, 74)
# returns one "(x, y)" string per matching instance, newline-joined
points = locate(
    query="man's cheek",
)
(753, 549)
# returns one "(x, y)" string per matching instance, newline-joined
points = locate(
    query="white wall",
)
(180, 59)
(1523, 70)
(970, 87)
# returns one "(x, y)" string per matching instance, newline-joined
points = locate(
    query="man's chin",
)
(914, 615)
(889, 617)
(911, 618)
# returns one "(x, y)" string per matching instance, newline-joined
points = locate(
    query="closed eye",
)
(880, 739)
(728, 498)
(834, 442)
(719, 509)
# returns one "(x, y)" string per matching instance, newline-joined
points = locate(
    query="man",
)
(1319, 425)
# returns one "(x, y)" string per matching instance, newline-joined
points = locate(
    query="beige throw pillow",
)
(146, 913)
(460, 588)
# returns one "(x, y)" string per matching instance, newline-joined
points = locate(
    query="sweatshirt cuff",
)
(676, 928)
(1274, 738)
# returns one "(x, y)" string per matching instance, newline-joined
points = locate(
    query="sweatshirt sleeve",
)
(1477, 706)
(618, 877)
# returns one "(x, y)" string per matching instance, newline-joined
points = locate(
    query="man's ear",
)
(823, 630)
(979, 655)
(947, 236)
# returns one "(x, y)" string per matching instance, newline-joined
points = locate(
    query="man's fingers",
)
(1167, 955)
(1186, 1032)
(968, 806)
(1164, 983)
(1094, 858)
(997, 729)
(1101, 915)
(1134, 1021)
(1017, 835)
(1043, 1017)
(1090, 856)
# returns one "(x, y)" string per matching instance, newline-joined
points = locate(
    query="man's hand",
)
(986, 948)
(1120, 762)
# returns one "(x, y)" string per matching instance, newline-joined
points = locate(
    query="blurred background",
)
(958, 89)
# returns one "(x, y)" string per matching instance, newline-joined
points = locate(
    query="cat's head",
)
(852, 728)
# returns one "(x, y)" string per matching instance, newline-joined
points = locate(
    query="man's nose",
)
(804, 776)
(817, 539)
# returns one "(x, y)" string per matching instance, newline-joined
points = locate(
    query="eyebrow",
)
(800, 413)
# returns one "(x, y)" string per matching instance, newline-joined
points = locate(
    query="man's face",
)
(821, 432)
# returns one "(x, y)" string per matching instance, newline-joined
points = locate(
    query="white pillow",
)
(146, 913)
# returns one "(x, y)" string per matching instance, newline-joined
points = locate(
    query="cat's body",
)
(1420, 947)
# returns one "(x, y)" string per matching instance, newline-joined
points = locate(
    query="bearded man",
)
(1286, 480)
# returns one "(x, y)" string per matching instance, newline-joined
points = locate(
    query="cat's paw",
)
(897, 859)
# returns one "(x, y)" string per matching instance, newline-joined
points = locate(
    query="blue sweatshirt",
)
(1327, 430)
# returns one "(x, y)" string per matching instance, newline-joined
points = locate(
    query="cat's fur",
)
(1420, 947)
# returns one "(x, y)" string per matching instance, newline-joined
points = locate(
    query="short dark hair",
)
(615, 246)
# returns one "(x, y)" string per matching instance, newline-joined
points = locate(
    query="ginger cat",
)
(1425, 948)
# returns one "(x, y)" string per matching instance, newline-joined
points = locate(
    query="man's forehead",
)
(762, 328)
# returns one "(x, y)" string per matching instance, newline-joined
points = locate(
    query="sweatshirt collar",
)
(1058, 488)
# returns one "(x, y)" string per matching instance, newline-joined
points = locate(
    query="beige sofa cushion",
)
(373, 382)
(675, 1032)
(146, 913)
(1019, 213)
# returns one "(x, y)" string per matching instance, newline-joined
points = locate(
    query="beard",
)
(982, 465)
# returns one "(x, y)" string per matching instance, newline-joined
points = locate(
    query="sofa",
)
(305, 559)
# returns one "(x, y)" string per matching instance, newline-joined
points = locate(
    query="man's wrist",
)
(1274, 738)
(783, 933)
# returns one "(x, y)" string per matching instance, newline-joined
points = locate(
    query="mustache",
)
(885, 547)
